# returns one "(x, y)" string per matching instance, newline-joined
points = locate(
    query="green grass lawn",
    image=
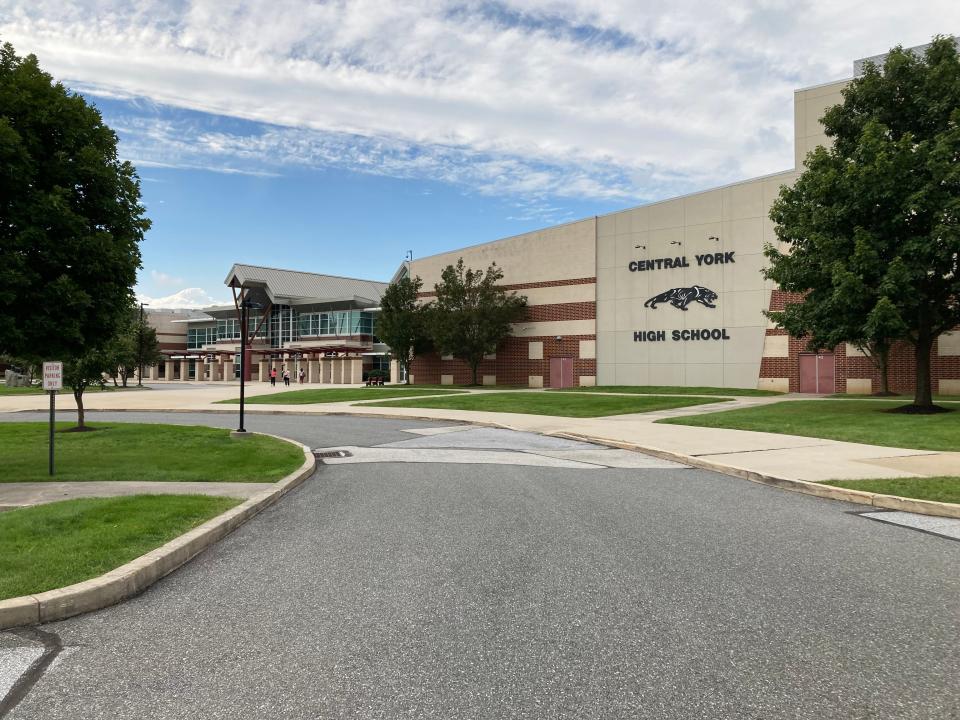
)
(862, 421)
(941, 489)
(670, 390)
(552, 404)
(49, 546)
(130, 451)
(331, 395)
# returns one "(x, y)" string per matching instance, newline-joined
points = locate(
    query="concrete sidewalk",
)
(21, 494)
(785, 456)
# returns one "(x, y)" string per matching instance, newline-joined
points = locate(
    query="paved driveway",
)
(448, 589)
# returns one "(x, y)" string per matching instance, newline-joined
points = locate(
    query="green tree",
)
(82, 371)
(402, 322)
(133, 346)
(70, 220)
(472, 315)
(872, 226)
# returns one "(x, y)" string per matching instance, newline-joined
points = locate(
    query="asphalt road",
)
(492, 591)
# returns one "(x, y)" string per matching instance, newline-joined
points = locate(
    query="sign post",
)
(52, 382)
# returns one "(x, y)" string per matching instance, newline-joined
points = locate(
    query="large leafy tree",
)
(402, 322)
(472, 314)
(872, 226)
(70, 220)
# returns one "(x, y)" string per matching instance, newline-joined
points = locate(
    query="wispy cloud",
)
(162, 279)
(536, 98)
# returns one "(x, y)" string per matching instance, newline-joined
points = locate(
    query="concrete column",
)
(336, 371)
(228, 371)
(355, 370)
(313, 371)
(199, 370)
(326, 371)
(264, 371)
(215, 372)
(394, 371)
(168, 370)
(184, 371)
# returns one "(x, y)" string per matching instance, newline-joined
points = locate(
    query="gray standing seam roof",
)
(294, 284)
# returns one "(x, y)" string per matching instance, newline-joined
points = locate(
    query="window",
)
(198, 337)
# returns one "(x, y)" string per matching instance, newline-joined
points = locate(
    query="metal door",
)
(561, 372)
(817, 373)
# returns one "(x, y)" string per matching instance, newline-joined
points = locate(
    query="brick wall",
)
(902, 371)
(512, 365)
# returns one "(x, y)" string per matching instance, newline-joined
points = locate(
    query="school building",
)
(668, 293)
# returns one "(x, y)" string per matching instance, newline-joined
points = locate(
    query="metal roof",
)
(286, 286)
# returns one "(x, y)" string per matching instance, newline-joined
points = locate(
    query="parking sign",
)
(53, 375)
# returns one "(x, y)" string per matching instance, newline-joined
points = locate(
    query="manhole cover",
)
(332, 453)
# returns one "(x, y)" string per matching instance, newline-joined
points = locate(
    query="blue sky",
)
(334, 136)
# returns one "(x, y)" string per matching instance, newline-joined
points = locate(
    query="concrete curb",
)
(878, 500)
(137, 575)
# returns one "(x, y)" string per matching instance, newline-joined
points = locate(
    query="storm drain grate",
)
(332, 453)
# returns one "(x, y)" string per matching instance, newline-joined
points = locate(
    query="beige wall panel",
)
(741, 375)
(771, 186)
(606, 251)
(666, 214)
(585, 292)
(666, 375)
(490, 356)
(745, 273)
(859, 386)
(632, 221)
(705, 207)
(606, 349)
(535, 381)
(630, 375)
(588, 380)
(704, 352)
(775, 384)
(606, 225)
(625, 248)
(711, 276)
(628, 351)
(588, 349)
(948, 344)
(744, 236)
(707, 375)
(950, 387)
(558, 327)
(661, 243)
(776, 346)
(606, 374)
(745, 346)
(605, 315)
(522, 256)
(489, 380)
(606, 286)
(745, 309)
(631, 285)
(446, 379)
(696, 240)
(446, 357)
(744, 200)
(535, 350)
(666, 353)
(853, 351)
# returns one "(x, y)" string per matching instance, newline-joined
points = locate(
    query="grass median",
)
(940, 489)
(562, 405)
(133, 451)
(50, 546)
(38, 390)
(332, 395)
(670, 390)
(860, 421)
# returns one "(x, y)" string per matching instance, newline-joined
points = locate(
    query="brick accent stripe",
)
(561, 311)
(527, 286)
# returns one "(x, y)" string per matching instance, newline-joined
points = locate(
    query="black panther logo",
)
(681, 297)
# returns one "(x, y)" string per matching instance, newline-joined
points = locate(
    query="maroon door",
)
(817, 373)
(561, 372)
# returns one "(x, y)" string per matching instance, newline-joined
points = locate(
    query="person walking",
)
(286, 377)
(303, 375)
(273, 377)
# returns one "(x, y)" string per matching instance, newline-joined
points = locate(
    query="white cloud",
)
(544, 96)
(186, 298)
(164, 280)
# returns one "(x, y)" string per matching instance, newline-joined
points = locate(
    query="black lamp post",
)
(245, 306)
